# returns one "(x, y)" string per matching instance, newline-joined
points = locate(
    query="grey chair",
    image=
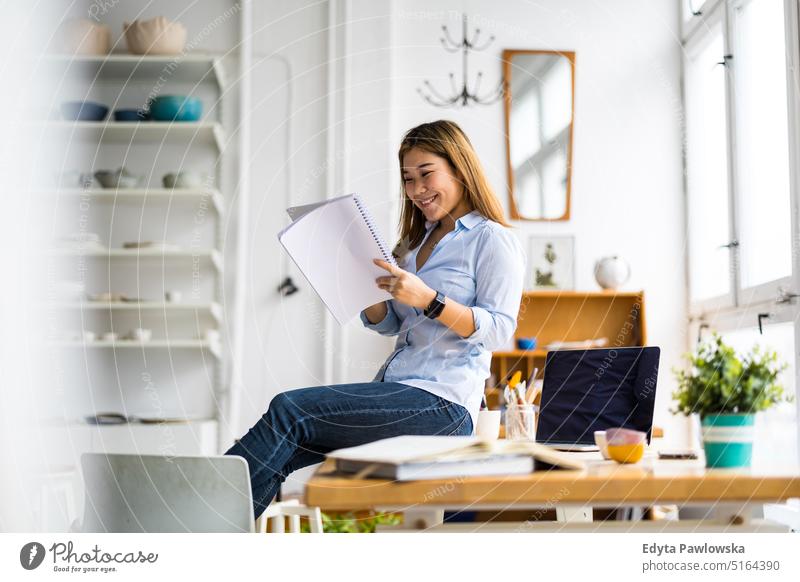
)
(151, 493)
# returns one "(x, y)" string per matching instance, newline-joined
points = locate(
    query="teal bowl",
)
(176, 108)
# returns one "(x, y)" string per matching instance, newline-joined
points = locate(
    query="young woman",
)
(456, 294)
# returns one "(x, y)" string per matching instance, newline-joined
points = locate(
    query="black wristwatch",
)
(435, 308)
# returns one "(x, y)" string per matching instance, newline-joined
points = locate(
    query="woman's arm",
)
(376, 313)
(381, 318)
(409, 289)
(499, 270)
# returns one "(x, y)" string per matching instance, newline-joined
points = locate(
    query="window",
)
(775, 446)
(741, 140)
(737, 155)
(762, 142)
(707, 168)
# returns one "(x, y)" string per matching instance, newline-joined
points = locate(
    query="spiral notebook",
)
(333, 243)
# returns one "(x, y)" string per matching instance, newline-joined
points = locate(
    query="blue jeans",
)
(302, 425)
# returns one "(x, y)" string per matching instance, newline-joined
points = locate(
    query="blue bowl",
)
(526, 343)
(176, 108)
(83, 111)
(131, 115)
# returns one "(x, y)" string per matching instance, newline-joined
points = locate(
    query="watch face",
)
(436, 306)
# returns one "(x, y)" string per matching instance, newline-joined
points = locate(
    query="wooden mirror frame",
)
(512, 202)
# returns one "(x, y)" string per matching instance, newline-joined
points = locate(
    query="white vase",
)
(612, 272)
(157, 36)
(81, 36)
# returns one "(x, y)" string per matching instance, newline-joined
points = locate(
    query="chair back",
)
(151, 493)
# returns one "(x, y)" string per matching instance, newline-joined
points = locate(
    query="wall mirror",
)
(539, 104)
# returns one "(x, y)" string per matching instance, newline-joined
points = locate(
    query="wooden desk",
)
(733, 494)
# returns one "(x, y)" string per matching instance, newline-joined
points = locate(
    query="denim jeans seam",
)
(463, 420)
(302, 419)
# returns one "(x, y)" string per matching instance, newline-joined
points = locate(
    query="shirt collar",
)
(468, 221)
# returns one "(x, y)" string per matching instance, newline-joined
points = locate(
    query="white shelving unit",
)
(213, 309)
(198, 133)
(213, 347)
(125, 68)
(213, 256)
(115, 74)
(140, 195)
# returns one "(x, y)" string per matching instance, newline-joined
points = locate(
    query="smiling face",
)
(433, 186)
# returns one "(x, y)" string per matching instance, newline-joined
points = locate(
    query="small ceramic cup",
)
(142, 335)
(488, 425)
(110, 336)
(89, 336)
(602, 444)
(173, 296)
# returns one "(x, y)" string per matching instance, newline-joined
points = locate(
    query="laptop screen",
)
(589, 390)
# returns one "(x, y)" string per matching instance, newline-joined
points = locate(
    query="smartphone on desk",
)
(673, 454)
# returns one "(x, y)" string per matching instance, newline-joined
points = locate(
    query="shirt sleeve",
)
(499, 273)
(389, 325)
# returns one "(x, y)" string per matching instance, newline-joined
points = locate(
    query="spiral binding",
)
(387, 254)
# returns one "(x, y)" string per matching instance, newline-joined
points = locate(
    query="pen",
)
(521, 392)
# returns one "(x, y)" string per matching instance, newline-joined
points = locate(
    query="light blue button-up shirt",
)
(479, 264)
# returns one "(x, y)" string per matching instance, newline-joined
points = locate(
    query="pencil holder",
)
(521, 422)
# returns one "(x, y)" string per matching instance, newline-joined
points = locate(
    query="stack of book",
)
(410, 458)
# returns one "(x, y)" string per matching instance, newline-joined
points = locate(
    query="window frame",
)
(714, 11)
(715, 16)
(720, 313)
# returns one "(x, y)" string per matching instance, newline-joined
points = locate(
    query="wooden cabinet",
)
(568, 316)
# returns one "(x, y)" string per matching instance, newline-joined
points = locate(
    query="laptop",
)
(151, 493)
(597, 389)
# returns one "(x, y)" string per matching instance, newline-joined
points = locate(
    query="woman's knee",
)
(287, 412)
(279, 416)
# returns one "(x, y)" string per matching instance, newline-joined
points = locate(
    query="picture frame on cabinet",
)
(551, 263)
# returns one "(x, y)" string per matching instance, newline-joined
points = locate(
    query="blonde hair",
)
(446, 139)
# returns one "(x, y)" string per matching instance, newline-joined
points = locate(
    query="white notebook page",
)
(333, 247)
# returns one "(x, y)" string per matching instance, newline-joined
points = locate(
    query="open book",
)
(411, 457)
(333, 243)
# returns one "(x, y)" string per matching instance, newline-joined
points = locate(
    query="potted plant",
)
(726, 391)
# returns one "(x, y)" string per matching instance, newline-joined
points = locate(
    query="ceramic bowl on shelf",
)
(141, 335)
(153, 245)
(131, 115)
(81, 36)
(120, 178)
(74, 179)
(157, 36)
(526, 343)
(83, 111)
(176, 108)
(173, 296)
(187, 179)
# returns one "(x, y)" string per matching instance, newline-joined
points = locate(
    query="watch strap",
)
(435, 308)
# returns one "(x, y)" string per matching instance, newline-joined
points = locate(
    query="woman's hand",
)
(404, 286)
